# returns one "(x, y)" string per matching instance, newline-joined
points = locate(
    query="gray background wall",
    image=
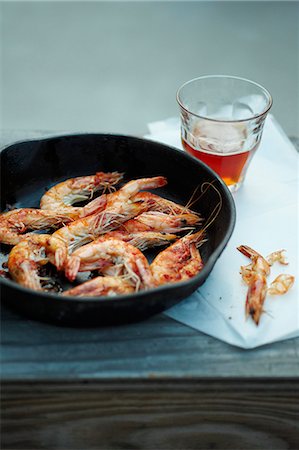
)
(115, 66)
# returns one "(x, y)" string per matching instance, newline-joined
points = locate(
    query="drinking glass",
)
(222, 120)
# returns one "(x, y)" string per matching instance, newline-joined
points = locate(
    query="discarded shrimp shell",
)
(277, 256)
(281, 285)
(259, 262)
(254, 276)
(256, 295)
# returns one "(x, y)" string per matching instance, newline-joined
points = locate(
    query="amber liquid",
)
(230, 167)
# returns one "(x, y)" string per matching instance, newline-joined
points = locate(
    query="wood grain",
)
(159, 347)
(151, 385)
(199, 414)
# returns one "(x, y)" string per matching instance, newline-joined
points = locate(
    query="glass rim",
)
(254, 116)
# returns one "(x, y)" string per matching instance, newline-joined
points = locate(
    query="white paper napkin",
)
(267, 220)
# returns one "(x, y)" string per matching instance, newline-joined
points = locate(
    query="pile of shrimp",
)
(255, 276)
(105, 238)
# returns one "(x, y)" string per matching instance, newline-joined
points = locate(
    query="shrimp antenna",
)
(193, 200)
(268, 313)
(214, 214)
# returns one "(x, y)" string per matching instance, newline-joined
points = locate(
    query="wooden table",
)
(151, 385)
(156, 384)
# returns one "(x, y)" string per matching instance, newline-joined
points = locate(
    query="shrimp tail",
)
(155, 182)
(60, 258)
(31, 278)
(145, 274)
(72, 267)
(95, 206)
(248, 251)
(107, 180)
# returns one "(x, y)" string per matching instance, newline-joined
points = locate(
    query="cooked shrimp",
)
(162, 204)
(14, 224)
(158, 221)
(26, 258)
(180, 261)
(117, 200)
(281, 285)
(107, 252)
(120, 207)
(254, 276)
(101, 286)
(62, 196)
(141, 240)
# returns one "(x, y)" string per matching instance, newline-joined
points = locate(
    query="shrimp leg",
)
(161, 204)
(141, 239)
(161, 222)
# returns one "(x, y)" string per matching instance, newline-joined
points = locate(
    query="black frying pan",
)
(29, 168)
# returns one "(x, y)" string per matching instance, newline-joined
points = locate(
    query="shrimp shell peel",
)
(255, 276)
(281, 285)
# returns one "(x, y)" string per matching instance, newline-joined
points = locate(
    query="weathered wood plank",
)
(158, 347)
(200, 414)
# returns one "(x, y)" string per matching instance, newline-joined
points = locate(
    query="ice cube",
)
(222, 137)
(241, 111)
(201, 109)
(249, 105)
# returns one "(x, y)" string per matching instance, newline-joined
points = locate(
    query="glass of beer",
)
(222, 120)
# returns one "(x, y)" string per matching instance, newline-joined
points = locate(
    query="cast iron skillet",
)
(29, 168)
